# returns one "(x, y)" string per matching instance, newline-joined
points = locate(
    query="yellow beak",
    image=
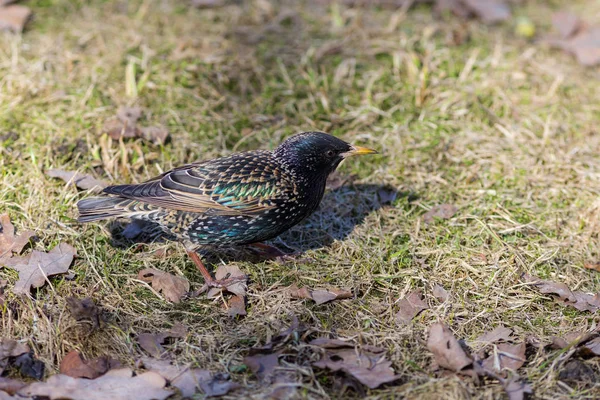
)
(359, 151)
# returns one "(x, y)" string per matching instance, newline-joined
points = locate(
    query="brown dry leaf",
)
(82, 181)
(263, 365)
(319, 296)
(443, 211)
(577, 37)
(489, 11)
(579, 300)
(577, 371)
(595, 265)
(566, 23)
(151, 342)
(10, 386)
(125, 126)
(10, 348)
(226, 272)
(187, 379)
(445, 348)
(9, 242)
(75, 366)
(155, 134)
(82, 309)
(498, 334)
(14, 17)
(36, 267)
(515, 388)
(592, 347)
(367, 365)
(511, 356)
(172, 287)
(440, 293)
(117, 384)
(236, 306)
(410, 307)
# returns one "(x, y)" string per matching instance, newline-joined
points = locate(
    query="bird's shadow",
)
(341, 210)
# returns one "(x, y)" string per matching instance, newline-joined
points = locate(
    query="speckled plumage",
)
(239, 199)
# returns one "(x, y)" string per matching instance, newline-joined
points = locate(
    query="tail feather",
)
(97, 208)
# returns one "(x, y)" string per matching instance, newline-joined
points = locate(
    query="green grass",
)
(503, 128)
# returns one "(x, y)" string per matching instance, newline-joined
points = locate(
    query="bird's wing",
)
(246, 183)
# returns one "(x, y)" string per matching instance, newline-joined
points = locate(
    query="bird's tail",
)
(97, 208)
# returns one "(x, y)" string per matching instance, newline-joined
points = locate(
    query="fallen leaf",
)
(75, 366)
(125, 126)
(515, 388)
(511, 356)
(226, 272)
(262, 365)
(9, 242)
(155, 134)
(35, 268)
(593, 347)
(10, 348)
(566, 23)
(10, 386)
(236, 306)
(571, 339)
(443, 211)
(578, 38)
(576, 371)
(595, 265)
(410, 307)
(82, 181)
(367, 366)
(500, 333)
(29, 366)
(319, 296)
(586, 47)
(446, 350)
(187, 379)
(489, 11)
(440, 293)
(579, 300)
(82, 309)
(117, 384)
(14, 17)
(152, 342)
(172, 287)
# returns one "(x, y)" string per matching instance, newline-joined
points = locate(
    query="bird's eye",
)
(330, 153)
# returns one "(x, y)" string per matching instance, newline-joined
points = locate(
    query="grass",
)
(501, 127)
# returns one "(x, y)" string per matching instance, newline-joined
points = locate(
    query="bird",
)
(244, 198)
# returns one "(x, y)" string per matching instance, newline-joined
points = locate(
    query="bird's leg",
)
(208, 279)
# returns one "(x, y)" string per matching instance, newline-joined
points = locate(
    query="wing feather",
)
(239, 184)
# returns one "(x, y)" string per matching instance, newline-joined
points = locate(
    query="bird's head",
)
(316, 152)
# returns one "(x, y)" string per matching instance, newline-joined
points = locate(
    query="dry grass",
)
(503, 128)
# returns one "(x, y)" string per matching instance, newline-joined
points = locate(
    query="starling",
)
(244, 198)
